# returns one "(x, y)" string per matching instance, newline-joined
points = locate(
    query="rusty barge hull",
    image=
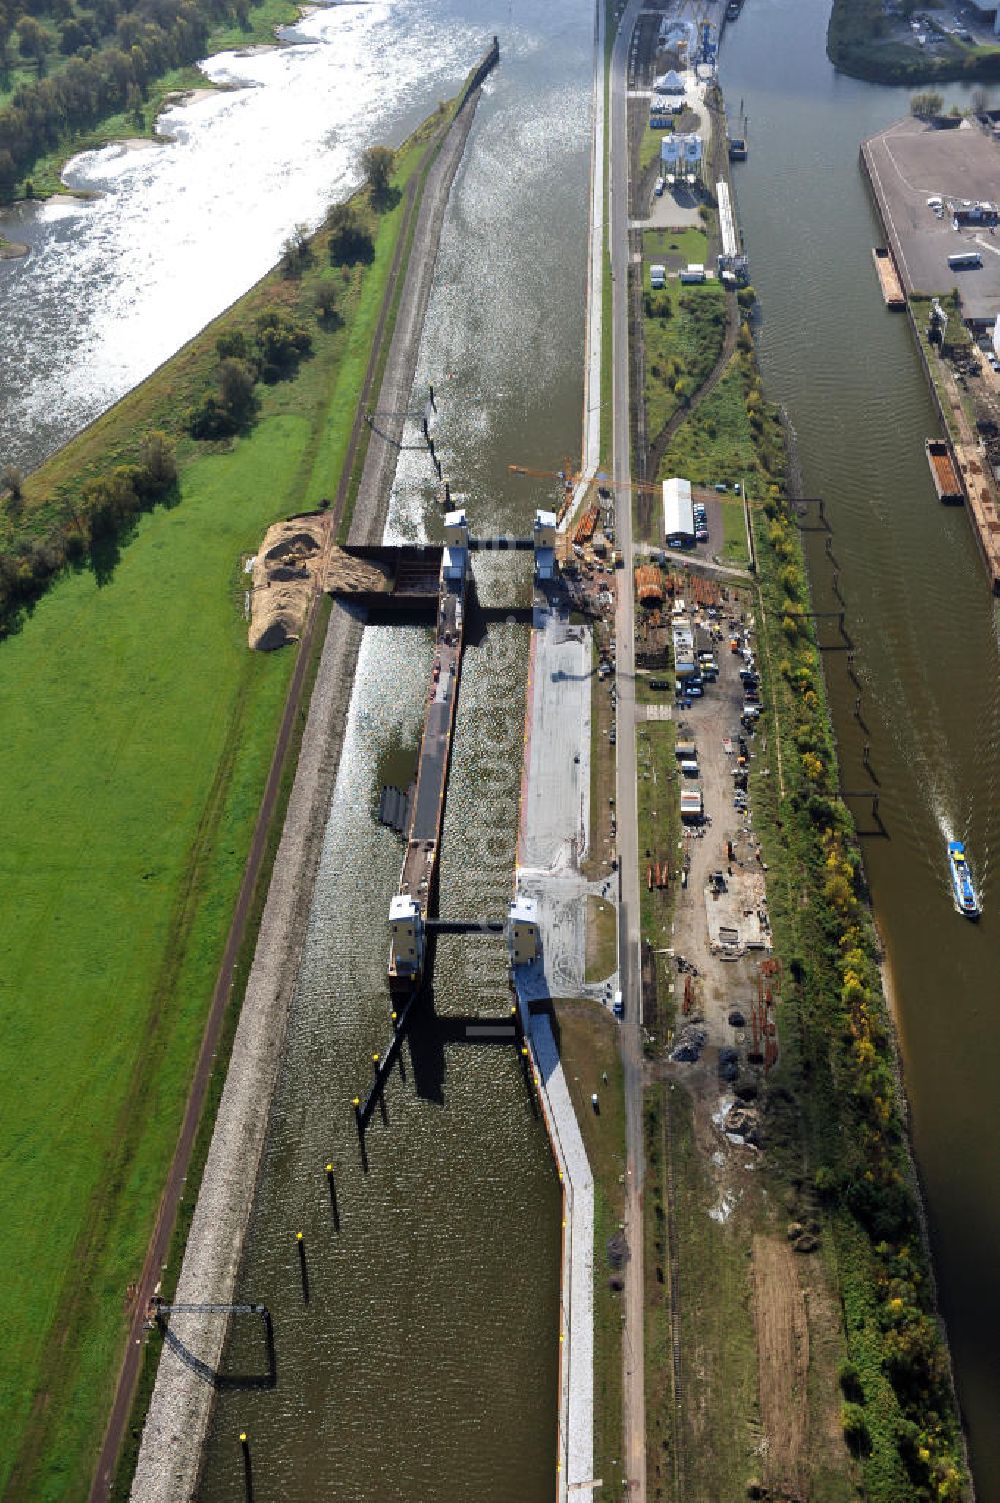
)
(944, 472)
(889, 281)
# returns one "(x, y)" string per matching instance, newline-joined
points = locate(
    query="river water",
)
(922, 618)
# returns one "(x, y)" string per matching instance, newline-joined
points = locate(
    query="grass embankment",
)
(139, 734)
(863, 41)
(588, 1046)
(832, 1110)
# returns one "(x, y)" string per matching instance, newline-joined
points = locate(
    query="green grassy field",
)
(683, 331)
(716, 443)
(675, 248)
(139, 732)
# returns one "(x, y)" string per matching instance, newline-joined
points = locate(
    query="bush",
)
(849, 1379)
(350, 239)
(855, 1428)
(281, 344)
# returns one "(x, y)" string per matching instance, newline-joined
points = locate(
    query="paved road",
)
(628, 930)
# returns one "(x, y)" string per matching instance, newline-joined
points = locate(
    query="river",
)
(921, 615)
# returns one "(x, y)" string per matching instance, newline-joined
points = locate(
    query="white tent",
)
(670, 83)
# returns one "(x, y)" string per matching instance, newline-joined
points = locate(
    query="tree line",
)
(115, 49)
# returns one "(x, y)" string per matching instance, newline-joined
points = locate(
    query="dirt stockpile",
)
(283, 573)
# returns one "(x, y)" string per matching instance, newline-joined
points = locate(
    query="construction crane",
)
(571, 479)
(604, 482)
(566, 476)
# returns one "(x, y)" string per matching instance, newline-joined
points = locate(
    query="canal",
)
(923, 621)
(425, 1363)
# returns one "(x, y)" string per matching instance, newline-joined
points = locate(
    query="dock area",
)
(912, 167)
(931, 188)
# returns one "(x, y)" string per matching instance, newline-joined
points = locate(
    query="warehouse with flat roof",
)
(678, 513)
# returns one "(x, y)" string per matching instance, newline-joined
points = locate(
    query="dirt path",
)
(782, 1362)
(181, 1404)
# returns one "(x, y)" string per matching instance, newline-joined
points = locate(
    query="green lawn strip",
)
(45, 175)
(734, 533)
(588, 1046)
(649, 142)
(137, 793)
(683, 332)
(602, 939)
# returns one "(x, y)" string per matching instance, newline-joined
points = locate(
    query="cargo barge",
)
(944, 472)
(892, 288)
(417, 896)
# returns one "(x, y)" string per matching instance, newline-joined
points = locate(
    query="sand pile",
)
(283, 574)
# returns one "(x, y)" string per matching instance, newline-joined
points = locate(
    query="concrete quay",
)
(552, 837)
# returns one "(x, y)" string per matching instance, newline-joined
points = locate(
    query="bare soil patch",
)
(783, 1363)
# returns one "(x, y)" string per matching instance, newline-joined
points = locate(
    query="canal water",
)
(425, 1363)
(923, 621)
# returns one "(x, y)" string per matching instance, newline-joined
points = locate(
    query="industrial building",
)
(678, 513)
(733, 265)
(682, 156)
